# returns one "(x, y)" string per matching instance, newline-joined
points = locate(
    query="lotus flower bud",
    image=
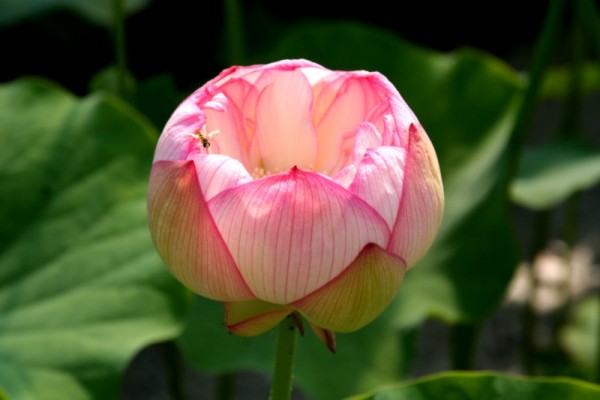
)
(291, 188)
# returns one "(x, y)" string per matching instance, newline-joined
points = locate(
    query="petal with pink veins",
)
(402, 115)
(177, 141)
(345, 176)
(186, 237)
(224, 126)
(284, 128)
(219, 103)
(292, 233)
(422, 204)
(217, 172)
(367, 137)
(358, 295)
(379, 180)
(234, 126)
(251, 318)
(343, 114)
(389, 131)
(325, 91)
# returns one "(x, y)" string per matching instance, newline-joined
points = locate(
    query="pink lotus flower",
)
(290, 188)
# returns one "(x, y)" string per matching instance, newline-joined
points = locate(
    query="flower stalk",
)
(281, 388)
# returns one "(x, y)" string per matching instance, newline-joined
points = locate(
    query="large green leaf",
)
(81, 288)
(488, 386)
(97, 11)
(550, 173)
(466, 101)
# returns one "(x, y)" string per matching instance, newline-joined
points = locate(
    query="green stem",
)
(281, 388)
(234, 30)
(119, 44)
(541, 59)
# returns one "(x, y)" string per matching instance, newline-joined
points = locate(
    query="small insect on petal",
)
(204, 138)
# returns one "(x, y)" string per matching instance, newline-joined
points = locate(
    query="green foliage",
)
(552, 172)
(107, 80)
(81, 287)
(96, 11)
(581, 335)
(557, 80)
(157, 97)
(488, 386)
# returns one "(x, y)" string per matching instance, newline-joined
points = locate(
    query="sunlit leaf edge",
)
(448, 377)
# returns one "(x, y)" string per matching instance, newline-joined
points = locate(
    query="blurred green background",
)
(69, 41)
(509, 96)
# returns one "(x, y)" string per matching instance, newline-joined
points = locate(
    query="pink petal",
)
(353, 147)
(422, 205)
(283, 122)
(358, 295)
(389, 130)
(325, 92)
(340, 116)
(345, 176)
(291, 233)
(253, 73)
(177, 141)
(217, 173)
(367, 137)
(379, 180)
(226, 127)
(186, 237)
(402, 115)
(235, 126)
(251, 318)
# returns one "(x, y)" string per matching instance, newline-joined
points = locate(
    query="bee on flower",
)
(204, 138)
